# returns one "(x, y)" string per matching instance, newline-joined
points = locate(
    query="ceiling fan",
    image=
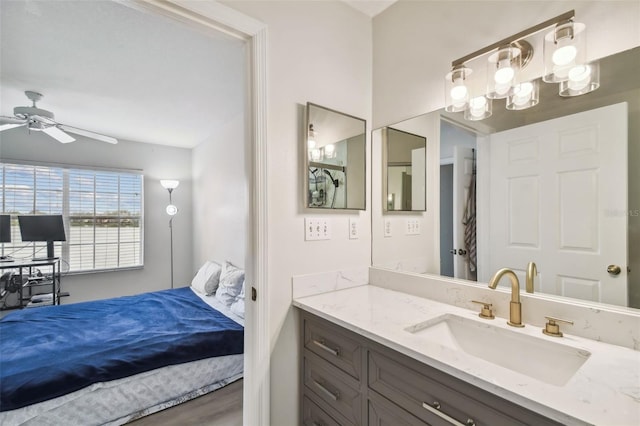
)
(38, 119)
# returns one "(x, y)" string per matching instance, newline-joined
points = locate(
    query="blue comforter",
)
(48, 352)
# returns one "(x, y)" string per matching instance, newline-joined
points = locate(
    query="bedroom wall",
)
(157, 162)
(318, 52)
(414, 43)
(221, 176)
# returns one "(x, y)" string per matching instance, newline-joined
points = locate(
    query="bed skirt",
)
(120, 401)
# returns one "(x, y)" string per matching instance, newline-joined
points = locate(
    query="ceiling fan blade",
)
(12, 120)
(88, 134)
(58, 134)
(10, 126)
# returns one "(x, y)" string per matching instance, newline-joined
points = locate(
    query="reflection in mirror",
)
(335, 159)
(404, 170)
(557, 184)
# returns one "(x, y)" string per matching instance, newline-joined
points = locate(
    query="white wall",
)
(156, 162)
(318, 52)
(415, 41)
(221, 177)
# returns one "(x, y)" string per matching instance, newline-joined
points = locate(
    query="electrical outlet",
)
(353, 228)
(387, 228)
(316, 229)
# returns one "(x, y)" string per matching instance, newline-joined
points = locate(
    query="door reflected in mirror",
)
(335, 147)
(404, 170)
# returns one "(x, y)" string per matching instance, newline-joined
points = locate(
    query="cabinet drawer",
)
(314, 415)
(383, 413)
(337, 389)
(441, 399)
(337, 347)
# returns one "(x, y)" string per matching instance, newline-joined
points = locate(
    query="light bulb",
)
(459, 93)
(522, 93)
(329, 150)
(315, 154)
(172, 210)
(477, 106)
(564, 55)
(579, 77)
(504, 75)
(311, 143)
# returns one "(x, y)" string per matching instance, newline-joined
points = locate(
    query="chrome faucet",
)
(532, 272)
(515, 307)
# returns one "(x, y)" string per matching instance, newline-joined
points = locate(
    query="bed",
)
(115, 360)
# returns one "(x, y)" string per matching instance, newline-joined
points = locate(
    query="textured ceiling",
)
(111, 69)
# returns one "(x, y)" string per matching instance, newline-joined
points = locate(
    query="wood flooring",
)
(220, 408)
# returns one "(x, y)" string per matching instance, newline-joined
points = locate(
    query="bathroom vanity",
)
(370, 355)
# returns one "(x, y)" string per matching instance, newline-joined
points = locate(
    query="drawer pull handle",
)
(321, 345)
(334, 396)
(435, 409)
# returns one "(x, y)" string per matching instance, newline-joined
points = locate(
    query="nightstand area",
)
(29, 283)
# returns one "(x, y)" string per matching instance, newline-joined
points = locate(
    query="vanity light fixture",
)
(564, 51)
(172, 210)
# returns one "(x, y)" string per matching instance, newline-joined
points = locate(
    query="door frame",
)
(214, 15)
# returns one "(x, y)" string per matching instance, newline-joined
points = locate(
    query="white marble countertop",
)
(604, 391)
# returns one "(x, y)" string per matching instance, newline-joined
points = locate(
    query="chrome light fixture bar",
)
(564, 53)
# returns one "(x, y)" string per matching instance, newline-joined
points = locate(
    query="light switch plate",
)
(387, 228)
(412, 227)
(316, 229)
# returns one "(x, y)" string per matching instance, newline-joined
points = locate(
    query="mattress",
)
(120, 401)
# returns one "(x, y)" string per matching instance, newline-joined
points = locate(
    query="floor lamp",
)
(172, 210)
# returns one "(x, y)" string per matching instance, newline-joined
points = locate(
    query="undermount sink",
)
(550, 362)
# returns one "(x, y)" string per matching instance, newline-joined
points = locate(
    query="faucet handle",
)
(486, 311)
(551, 328)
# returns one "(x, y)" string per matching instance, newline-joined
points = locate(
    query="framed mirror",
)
(525, 208)
(404, 170)
(335, 159)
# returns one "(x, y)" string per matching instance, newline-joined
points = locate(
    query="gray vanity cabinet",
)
(350, 380)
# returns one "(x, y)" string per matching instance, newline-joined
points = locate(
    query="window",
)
(102, 212)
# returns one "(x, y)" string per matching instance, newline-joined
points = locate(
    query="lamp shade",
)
(524, 95)
(564, 48)
(169, 183)
(502, 69)
(172, 210)
(582, 79)
(456, 90)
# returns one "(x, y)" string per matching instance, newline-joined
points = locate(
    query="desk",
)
(27, 278)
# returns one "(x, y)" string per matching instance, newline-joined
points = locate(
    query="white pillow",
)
(231, 280)
(206, 280)
(237, 307)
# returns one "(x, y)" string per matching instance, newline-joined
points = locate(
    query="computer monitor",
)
(47, 228)
(5, 228)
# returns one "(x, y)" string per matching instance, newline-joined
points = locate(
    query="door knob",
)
(453, 251)
(462, 252)
(614, 269)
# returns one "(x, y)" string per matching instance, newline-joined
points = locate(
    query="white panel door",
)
(463, 159)
(558, 196)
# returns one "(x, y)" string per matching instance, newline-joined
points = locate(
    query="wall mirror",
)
(543, 193)
(404, 170)
(335, 159)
